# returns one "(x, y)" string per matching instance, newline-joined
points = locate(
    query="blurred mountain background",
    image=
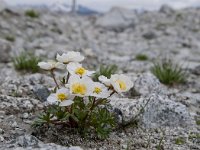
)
(103, 5)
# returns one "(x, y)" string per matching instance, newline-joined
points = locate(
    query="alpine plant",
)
(77, 101)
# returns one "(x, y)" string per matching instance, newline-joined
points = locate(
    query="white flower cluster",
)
(80, 83)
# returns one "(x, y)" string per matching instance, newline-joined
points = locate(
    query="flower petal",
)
(89, 73)
(66, 103)
(52, 99)
(63, 90)
(44, 65)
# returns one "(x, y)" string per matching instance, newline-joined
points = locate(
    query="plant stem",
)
(112, 93)
(90, 110)
(93, 104)
(54, 78)
(68, 75)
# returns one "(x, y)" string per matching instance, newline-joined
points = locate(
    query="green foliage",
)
(105, 71)
(141, 57)
(85, 117)
(26, 62)
(169, 73)
(56, 30)
(179, 141)
(194, 136)
(198, 122)
(10, 38)
(32, 13)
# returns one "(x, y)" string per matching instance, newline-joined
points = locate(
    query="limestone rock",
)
(153, 111)
(126, 109)
(149, 35)
(163, 112)
(147, 83)
(41, 92)
(28, 142)
(117, 19)
(166, 9)
(5, 50)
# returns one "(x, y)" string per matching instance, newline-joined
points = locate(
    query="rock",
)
(163, 112)
(127, 110)
(117, 19)
(166, 9)
(147, 83)
(1, 138)
(41, 92)
(14, 124)
(191, 100)
(14, 104)
(5, 50)
(25, 116)
(3, 5)
(29, 142)
(153, 111)
(196, 70)
(149, 35)
(1, 131)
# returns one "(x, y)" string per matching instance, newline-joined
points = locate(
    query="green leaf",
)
(105, 71)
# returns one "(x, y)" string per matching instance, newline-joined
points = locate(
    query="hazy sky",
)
(104, 5)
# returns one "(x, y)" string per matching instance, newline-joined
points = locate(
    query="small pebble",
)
(25, 115)
(1, 131)
(124, 146)
(14, 124)
(1, 138)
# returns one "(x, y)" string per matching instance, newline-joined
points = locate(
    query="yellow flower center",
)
(80, 71)
(97, 90)
(122, 84)
(62, 96)
(78, 88)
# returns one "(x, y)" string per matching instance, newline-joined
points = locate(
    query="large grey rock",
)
(153, 111)
(126, 109)
(163, 112)
(5, 50)
(147, 83)
(41, 92)
(166, 9)
(117, 19)
(28, 142)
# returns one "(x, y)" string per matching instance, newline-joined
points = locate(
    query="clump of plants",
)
(168, 72)
(179, 141)
(77, 102)
(198, 122)
(141, 57)
(106, 71)
(10, 38)
(26, 62)
(32, 13)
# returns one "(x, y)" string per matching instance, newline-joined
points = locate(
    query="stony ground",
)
(114, 38)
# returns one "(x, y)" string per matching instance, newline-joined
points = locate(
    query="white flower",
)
(77, 69)
(105, 80)
(80, 86)
(50, 65)
(62, 96)
(121, 83)
(70, 57)
(100, 90)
